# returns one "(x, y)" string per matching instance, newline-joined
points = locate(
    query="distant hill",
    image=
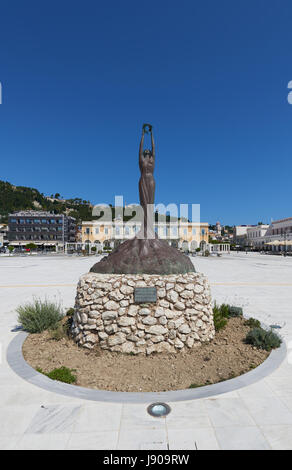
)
(15, 198)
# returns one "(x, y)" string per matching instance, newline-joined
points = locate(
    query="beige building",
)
(187, 236)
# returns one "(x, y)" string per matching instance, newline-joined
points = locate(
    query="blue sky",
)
(80, 78)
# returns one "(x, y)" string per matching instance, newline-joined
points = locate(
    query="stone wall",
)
(105, 313)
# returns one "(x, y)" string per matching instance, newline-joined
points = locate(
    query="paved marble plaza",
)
(258, 416)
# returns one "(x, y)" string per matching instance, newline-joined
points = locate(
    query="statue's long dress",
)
(146, 193)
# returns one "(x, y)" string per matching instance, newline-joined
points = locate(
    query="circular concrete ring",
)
(18, 364)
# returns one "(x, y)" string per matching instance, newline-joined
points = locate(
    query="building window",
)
(174, 231)
(106, 231)
(185, 232)
(117, 231)
(97, 230)
(127, 231)
(194, 231)
(203, 231)
(87, 231)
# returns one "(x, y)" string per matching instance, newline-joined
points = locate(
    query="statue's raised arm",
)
(152, 144)
(141, 147)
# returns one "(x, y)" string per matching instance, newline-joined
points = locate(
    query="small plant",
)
(61, 329)
(70, 312)
(39, 315)
(253, 323)
(223, 312)
(224, 309)
(58, 332)
(10, 248)
(93, 248)
(196, 385)
(62, 374)
(235, 311)
(220, 316)
(263, 339)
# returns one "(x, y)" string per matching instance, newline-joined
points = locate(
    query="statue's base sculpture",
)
(106, 313)
(144, 256)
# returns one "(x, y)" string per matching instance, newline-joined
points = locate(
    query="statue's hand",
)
(145, 128)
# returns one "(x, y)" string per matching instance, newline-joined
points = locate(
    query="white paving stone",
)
(241, 438)
(279, 437)
(96, 440)
(192, 438)
(232, 412)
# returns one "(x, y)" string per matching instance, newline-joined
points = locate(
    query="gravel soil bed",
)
(225, 357)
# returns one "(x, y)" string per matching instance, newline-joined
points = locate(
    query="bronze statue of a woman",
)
(145, 253)
(147, 182)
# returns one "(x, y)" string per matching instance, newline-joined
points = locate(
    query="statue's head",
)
(147, 153)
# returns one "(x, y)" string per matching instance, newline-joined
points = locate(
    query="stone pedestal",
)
(106, 313)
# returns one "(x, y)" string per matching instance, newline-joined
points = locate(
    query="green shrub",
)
(235, 311)
(223, 312)
(70, 312)
(220, 316)
(31, 246)
(263, 339)
(62, 374)
(39, 315)
(224, 309)
(253, 323)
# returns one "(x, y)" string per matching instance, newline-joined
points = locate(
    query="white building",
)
(3, 235)
(255, 236)
(240, 235)
(278, 236)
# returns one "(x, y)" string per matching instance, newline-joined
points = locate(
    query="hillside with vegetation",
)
(16, 198)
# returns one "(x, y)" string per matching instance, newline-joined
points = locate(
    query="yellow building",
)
(187, 236)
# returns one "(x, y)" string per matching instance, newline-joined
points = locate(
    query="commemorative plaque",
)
(145, 295)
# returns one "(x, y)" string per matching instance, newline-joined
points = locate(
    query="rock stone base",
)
(105, 313)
